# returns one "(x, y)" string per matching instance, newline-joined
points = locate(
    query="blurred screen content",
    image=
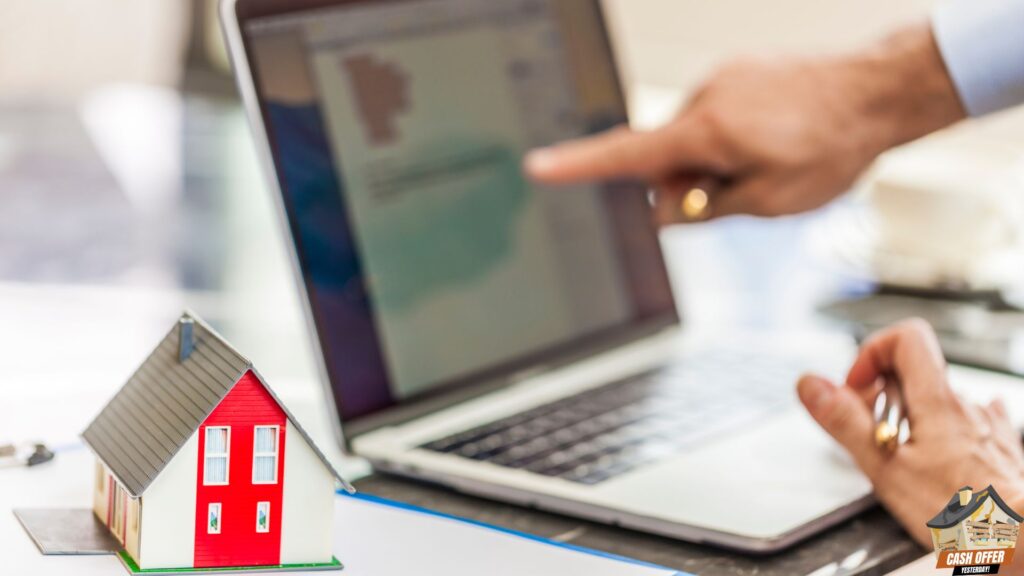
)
(400, 131)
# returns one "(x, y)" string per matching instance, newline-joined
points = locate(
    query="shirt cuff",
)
(982, 43)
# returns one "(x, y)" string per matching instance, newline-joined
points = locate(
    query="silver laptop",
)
(494, 336)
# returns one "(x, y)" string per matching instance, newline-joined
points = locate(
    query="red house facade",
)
(238, 498)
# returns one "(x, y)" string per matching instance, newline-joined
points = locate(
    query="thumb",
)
(844, 415)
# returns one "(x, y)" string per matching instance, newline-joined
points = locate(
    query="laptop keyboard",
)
(607, 431)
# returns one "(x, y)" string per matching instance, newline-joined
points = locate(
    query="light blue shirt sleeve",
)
(982, 43)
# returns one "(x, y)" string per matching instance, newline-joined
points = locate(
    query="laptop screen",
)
(398, 129)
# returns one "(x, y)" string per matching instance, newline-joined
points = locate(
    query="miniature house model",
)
(199, 465)
(975, 521)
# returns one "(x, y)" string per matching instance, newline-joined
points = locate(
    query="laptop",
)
(494, 336)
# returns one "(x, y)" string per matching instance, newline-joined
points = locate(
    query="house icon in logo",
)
(975, 528)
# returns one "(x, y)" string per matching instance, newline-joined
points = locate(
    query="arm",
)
(783, 135)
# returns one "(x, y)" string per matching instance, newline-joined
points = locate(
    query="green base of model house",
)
(132, 567)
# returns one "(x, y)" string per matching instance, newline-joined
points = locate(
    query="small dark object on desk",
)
(41, 455)
(24, 455)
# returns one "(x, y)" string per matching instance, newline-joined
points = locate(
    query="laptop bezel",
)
(234, 14)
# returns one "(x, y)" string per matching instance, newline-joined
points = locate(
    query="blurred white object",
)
(946, 213)
(66, 47)
(138, 131)
(678, 42)
(951, 206)
(6, 151)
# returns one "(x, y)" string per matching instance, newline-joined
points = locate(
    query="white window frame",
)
(258, 530)
(101, 478)
(133, 515)
(119, 512)
(276, 453)
(226, 455)
(220, 517)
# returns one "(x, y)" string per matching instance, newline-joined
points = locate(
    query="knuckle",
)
(772, 204)
(839, 419)
(762, 204)
(737, 65)
(894, 466)
(622, 128)
(921, 333)
(955, 405)
(712, 119)
(918, 328)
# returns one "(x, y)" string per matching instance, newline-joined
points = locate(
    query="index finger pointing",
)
(620, 153)
(684, 145)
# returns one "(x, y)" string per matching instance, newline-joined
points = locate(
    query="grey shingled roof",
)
(144, 426)
(954, 513)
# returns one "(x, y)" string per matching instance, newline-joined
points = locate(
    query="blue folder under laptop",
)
(437, 543)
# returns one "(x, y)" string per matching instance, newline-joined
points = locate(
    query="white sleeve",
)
(982, 43)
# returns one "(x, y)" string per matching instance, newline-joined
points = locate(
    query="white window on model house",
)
(133, 515)
(263, 517)
(216, 454)
(213, 521)
(264, 455)
(118, 512)
(101, 477)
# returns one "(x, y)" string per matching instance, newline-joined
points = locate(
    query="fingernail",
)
(815, 392)
(539, 161)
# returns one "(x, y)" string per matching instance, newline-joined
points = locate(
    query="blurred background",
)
(129, 189)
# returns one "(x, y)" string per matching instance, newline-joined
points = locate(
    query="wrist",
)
(903, 88)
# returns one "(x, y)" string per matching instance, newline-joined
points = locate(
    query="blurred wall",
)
(677, 42)
(66, 47)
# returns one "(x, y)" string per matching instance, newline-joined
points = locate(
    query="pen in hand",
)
(889, 416)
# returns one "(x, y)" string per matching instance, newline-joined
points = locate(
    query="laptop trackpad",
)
(761, 482)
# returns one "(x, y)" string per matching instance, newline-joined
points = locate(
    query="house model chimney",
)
(965, 496)
(186, 338)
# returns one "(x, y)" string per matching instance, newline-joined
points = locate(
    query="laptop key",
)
(610, 430)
